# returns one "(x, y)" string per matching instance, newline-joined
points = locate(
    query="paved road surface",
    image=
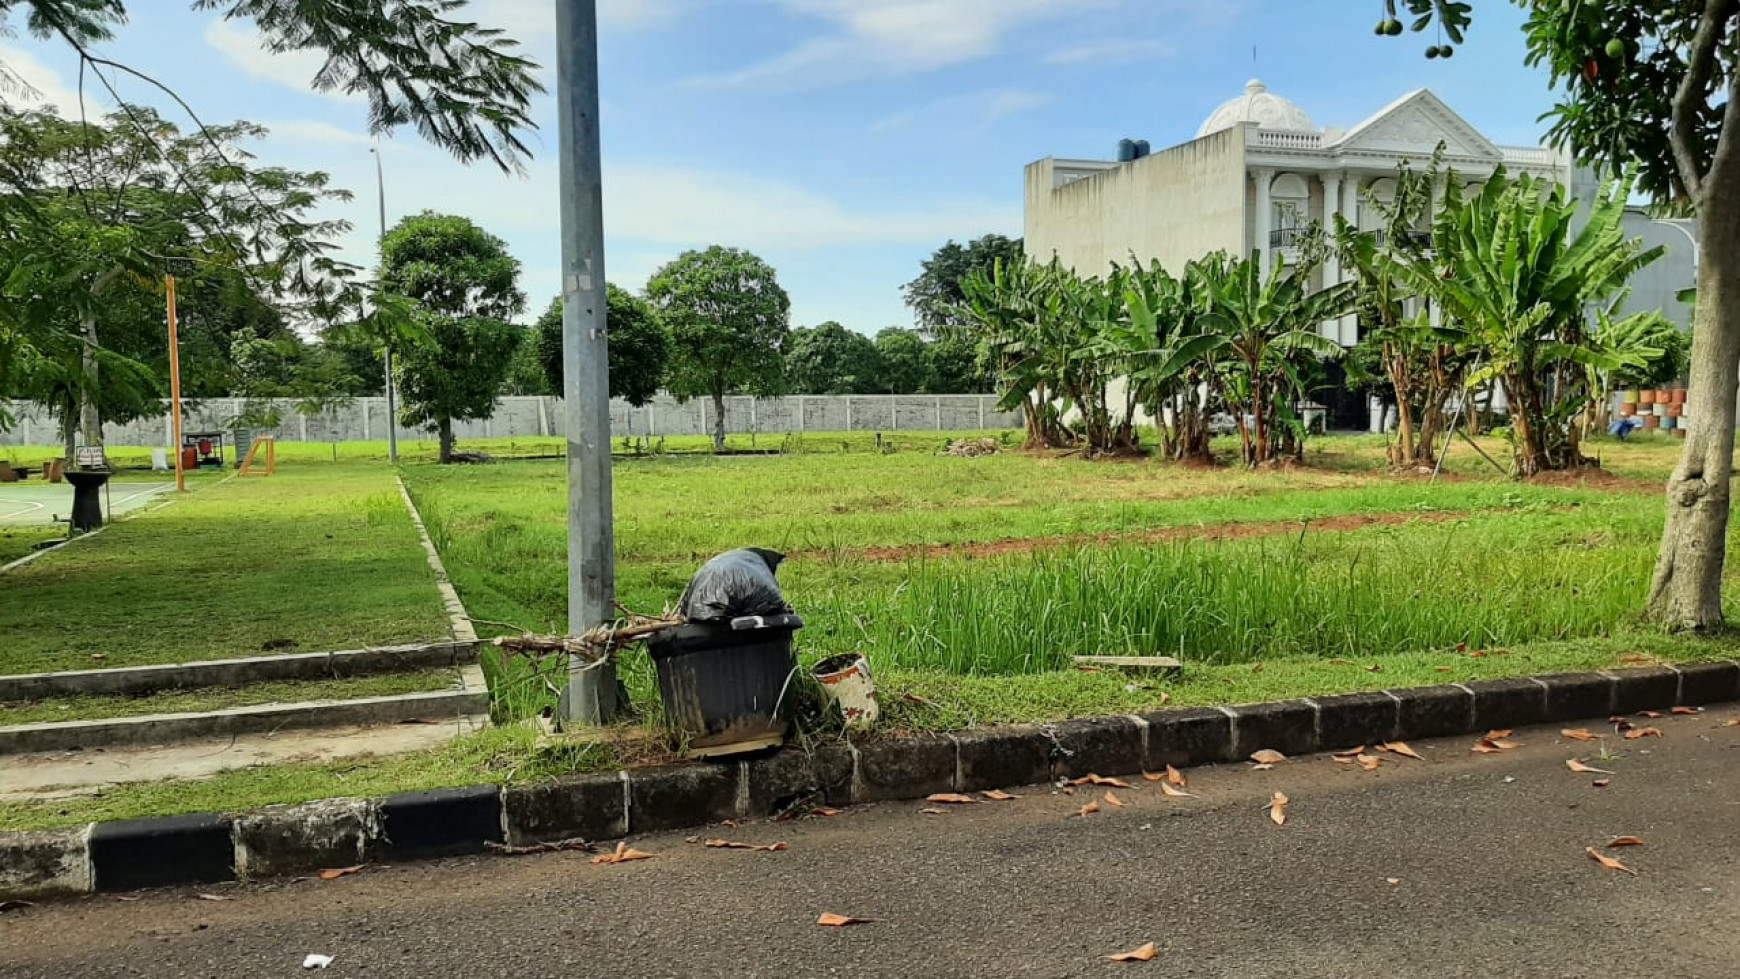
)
(1463, 865)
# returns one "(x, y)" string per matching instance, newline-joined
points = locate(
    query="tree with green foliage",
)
(951, 365)
(830, 359)
(1652, 85)
(729, 324)
(901, 366)
(466, 289)
(936, 296)
(640, 347)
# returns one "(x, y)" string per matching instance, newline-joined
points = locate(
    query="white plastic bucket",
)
(846, 681)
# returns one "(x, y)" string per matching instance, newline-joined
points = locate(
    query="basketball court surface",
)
(35, 501)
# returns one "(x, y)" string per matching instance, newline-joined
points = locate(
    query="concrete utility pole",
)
(392, 405)
(590, 697)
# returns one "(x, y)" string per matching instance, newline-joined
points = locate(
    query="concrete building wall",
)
(1175, 206)
(365, 419)
(1657, 285)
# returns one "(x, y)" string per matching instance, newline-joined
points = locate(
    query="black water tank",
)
(1126, 150)
(1142, 148)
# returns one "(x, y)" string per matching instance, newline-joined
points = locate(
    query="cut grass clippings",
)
(912, 701)
(222, 698)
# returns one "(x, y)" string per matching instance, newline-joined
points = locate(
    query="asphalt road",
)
(1461, 865)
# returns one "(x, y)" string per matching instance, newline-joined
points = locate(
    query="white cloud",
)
(898, 37)
(1005, 104)
(49, 89)
(974, 113)
(292, 69)
(315, 131)
(1111, 52)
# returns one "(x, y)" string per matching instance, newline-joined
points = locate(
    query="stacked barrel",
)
(1661, 410)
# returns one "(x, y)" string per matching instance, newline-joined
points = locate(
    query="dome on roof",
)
(1258, 105)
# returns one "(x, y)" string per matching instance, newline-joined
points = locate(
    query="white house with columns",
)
(1259, 172)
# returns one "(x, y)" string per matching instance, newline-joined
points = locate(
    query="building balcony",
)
(1287, 237)
(1417, 239)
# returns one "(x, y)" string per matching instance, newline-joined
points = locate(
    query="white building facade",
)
(1258, 173)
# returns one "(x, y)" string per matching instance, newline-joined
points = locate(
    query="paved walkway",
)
(1462, 865)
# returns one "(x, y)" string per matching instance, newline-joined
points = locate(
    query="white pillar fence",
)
(531, 417)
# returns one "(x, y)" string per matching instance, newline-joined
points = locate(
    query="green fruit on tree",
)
(1446, 51)
(1616, 49)
(1432, 52)
(1393, 27)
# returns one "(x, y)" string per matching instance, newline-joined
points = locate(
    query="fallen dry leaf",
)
(1092, 779)
(1579, 734)
(622, 854)
(997, 795)
(1642, 732)
(1113, 800)
(1153, 777)
(1262, 767)
(1577, 766)
(1624, 841)
(1478, 654)
(1349, 753)
(1087, 669)
(1649, 714)
(338, 872)
(824, 811)
(1375, 668)
(1442, 669)
(1369, 762)
(831, 920)
(1602, 783)
(1730, 722)
(1637, 659)
(1068, 791)
(1166, 788)
(1088, 809)
(1491, 745)
(1164, 697)
(1268, 756)
(1339, 760)
(1608, 862)
(1401, 748)
(215, 897)
(1146, 953)
(760, 847)
(1341, 662)
(1278, 809)
(1174, 776)
(729, 824)
(1683, 711)
(913, 698)
(930, 811)
(952, 798)
(1499, 735)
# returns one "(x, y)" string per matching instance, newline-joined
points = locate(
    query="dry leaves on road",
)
(1578, 766)
(1113, 800)
(1730, 722)
(1268, 756)
(1686, 711)
(1580, 734)
(1088, 809)
(931, 811)
(1495, 742)
(1092, 779)
(622, 854)
(1349, 753)
(338, 872)
(951, 798)
(1174, 777)
(759, 847)
(1624, 841)
(1262, 767)
(1369, 763)
(831, 920)
(824, 811)
(1649, 715)
(997, 795)
(1602, 783)
(1401, 748)
(1643, 732)
(1146, 953)
(1166, 788)
(215, 897)
(1607, 861)
(1278, 809)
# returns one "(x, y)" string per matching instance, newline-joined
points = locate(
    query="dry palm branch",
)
(598, 644)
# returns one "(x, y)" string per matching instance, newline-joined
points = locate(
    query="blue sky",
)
(842, 140)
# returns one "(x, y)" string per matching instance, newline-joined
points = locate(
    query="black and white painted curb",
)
(279, 840)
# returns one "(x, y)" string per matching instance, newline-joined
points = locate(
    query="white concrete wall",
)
(1176, 205)
(365, 418)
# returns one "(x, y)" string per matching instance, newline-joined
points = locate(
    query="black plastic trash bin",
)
(724, 684)
(87, 508)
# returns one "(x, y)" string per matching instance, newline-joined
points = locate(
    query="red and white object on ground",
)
(846, 680)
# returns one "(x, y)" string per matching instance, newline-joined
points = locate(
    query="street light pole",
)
(392, 405)
(590, 697)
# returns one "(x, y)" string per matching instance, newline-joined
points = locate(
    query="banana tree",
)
(1255, 333)
(1012, 309)
(1652, 351)
(1163, 312)
(1512, 268)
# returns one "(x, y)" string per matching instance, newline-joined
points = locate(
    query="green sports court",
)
(35, 501)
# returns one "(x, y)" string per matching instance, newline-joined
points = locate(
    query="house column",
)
(1265, 216)
(1334, 329)
(1349, 325)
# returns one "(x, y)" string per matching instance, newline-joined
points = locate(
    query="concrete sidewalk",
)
(1462, 865)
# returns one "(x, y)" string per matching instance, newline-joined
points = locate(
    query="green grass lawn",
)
(16, 542)
(324, 555)
(222, 698)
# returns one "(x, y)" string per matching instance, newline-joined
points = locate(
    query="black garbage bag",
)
(733, 585)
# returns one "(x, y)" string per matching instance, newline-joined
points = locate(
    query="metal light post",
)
(590, 697)
(392, 402)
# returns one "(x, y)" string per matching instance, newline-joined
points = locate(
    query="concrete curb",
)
(137, 680)
(458, 619)
(447, 822)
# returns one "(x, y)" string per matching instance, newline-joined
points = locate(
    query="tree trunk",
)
(718, 420)
(1687, 590)
(90, 420)
(444, 430)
